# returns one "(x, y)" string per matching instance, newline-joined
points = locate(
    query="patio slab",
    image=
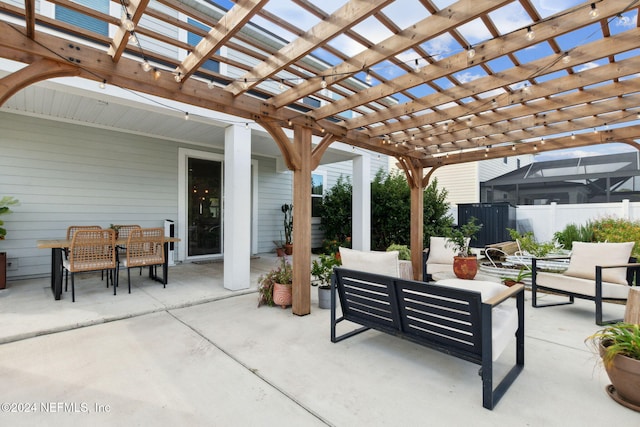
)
(224, 361)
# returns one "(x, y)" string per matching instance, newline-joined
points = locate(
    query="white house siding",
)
(67, 174)
(274, 190)
(489, 169)
(461, 182)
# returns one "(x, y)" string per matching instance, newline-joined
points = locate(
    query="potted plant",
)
(523, 273)
(465, 263)
(5, 202)
(404, 260)
(274, 287)
(279, 247)
(619, 347)
(322, 269)
(115, 228)
(287, 210)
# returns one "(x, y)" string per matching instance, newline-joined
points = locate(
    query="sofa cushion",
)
(578, 285)
(585, 256)
(439, 253)
(487, 289)
(377, 262)
(504, 316)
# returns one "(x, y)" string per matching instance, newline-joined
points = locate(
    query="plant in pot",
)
(274, 287)
(619, 347)
(5, 202)
(322, 269)
(465, 263)
(404, 260)
(287, 210)
(523, 273)
(279, 247)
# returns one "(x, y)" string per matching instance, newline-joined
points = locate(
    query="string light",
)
(595, 130)
(594, 12)
(530, 34)
(178, 78)
(541, 141)
(133, 38)
(244, 84)
(103, 84)
(246, 125)
(210, 84)
(281, 84)
(323, 83)
(145, 66)
(156, 74)
(127, 22)
(186, 115)
(368, 77)
(566, 58)
(573, 136)
(471, 52)
(417, 66)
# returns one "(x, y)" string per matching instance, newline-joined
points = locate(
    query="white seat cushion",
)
(377, 262)
(578, 285)
(585, 256)
(504, 316)
(439, 252)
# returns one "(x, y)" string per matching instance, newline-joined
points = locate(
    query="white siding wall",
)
(66, 174)
(461, 181)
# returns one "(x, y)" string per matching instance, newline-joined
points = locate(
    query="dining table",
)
(58, 246)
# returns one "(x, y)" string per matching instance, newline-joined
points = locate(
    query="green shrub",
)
(335, 215)
(403, 251)
(617, 230)
(574, 233)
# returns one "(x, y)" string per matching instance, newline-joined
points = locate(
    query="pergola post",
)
(417, 222)
(302, 222)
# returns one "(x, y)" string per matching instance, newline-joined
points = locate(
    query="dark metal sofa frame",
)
(449, 320)
(633, 269)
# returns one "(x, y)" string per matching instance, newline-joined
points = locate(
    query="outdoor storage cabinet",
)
(495, 218)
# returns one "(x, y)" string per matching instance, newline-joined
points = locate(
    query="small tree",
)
(335, 211)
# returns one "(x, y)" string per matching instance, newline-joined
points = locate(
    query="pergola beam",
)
(487, 51)
(350, 14)
(133, 10)
(430, 27)
(224, 30)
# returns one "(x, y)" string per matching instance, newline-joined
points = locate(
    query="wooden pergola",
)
(475, 80)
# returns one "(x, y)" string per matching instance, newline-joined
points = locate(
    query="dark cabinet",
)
(495, 218)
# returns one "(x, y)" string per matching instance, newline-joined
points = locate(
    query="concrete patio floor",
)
(196, 354)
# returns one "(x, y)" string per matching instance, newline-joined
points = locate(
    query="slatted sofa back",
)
(444, 318)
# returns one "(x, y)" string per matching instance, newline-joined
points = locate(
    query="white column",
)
(361, 203)
(237, 207)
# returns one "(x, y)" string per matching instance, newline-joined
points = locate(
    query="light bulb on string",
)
(210, 84)
(133, 39)
(417, 66)
(103, 84)
(145, 66)
(323, 83)
(368, 77)
(281, 84)
(178, 78)
(471, 52)
(530, 34)
(566, 58)
(594, 12)
(127, 22)
(156, 74)
(186, 115)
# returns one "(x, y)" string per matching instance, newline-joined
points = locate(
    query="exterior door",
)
(204, 207)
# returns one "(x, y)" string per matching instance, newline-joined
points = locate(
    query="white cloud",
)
(467, 77)
(587, 66)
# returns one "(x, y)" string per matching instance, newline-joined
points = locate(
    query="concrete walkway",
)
(194, 354)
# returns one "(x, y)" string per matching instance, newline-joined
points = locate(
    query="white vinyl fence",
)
(544, 220)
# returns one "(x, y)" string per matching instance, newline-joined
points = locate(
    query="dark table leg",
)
(56, 272)
(165, 268)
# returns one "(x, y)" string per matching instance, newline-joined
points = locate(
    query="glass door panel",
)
(204, 207)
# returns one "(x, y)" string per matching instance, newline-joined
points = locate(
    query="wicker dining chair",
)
(123, 231)
(92, 250)
(145, 248)
(71, 230)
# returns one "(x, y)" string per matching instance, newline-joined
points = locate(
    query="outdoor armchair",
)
(145, 248)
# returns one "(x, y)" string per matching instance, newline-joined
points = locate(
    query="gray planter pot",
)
(324, 297)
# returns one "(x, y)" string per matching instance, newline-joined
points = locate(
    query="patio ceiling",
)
(429, 82)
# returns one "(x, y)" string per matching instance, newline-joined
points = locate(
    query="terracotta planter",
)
(282, 295)
(624, 373)
(510, 283)
(280, 252)
(288, 248)
(465, 267)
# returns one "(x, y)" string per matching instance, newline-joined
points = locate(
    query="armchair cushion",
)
(439, 253)
(377, 262)
(585, 256)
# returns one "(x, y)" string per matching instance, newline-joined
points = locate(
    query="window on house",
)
(317, 191)
(83, 21)
(194, 39)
